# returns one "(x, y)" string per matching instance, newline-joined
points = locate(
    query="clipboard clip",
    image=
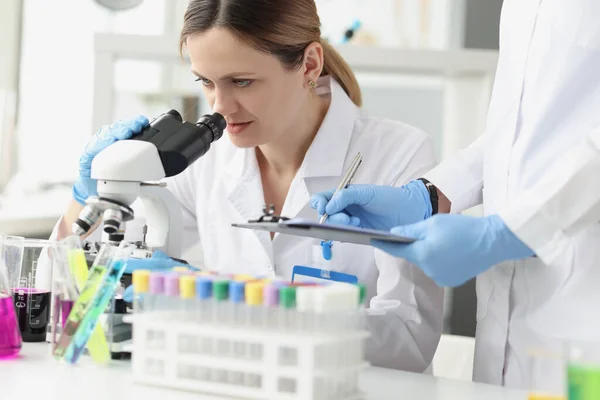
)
(269, 215)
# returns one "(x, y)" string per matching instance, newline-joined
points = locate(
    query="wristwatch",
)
(433, 195)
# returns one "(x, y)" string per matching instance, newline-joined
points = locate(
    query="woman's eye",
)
(242, 82)
(205, 82)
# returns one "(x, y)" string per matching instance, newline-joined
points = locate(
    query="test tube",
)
(271, 298)
(140, 280)
(305, 298)
(154, 298)
(204, 294)
(84, 301)
(75, 274)
(237, 310)
(102, 297)
(220, 317)
(172, 303)
(187, 287)
(287, 300)
(254, 301)
(220, 297)
(155, 303)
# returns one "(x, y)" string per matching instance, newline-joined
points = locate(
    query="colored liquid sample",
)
(33, 313)
(65, 309)
(80, 308)
(584, 382)
(10, 338)
(97, 307)
(79, 266)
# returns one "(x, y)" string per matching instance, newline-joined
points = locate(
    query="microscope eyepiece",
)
(175, 114)
(215, 122)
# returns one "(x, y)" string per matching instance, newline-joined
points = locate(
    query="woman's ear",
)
(313, 62)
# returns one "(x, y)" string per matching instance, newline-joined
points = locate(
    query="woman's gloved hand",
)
(452, 249)
(85, 186)
(375, 207)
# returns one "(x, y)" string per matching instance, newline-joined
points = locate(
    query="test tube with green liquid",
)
(102, 297)
(78, 269)
(86, 296)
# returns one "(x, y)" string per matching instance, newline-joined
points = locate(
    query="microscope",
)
(132, 169)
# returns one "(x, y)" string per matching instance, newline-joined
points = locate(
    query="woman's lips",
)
(237, 128)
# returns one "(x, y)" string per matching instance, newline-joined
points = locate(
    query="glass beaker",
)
(30, 266)
(10, 338)
(547, 373)
(583, 370)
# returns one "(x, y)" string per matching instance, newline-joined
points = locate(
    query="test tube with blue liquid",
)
(101, 298)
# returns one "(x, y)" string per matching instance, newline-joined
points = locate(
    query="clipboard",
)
(312, 229)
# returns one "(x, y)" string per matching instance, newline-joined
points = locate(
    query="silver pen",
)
(346, 180)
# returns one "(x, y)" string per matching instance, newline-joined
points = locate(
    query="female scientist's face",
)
(260, 99)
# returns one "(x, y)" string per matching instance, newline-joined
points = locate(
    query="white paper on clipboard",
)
(312, 229)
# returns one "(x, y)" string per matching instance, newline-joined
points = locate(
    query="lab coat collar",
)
(324, 158)
(327, 153)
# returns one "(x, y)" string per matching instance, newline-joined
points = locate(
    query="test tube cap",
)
(306, 296)
(244, 278)
(221, 289)
(254, 293)
(157, 282)
(172, 284)
(141, 280)
(287, 297)
(203, 287)
(187, 286)
(271, 295)
(236, 291)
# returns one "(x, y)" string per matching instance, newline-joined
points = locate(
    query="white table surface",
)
(35, 372)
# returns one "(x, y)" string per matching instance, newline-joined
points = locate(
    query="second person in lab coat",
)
(294, 126)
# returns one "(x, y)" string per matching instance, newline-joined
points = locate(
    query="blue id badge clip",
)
(308, 274)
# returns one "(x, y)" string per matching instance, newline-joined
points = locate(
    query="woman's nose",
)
(224, 103)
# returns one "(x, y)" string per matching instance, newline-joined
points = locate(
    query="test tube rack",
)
(281, 364)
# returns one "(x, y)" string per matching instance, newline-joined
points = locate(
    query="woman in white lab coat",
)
(294, 127)
(536, 171)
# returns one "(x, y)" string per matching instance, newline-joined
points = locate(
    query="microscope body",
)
(116, 170)
(133, 168)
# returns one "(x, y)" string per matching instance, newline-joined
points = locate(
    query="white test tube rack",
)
(162, 357)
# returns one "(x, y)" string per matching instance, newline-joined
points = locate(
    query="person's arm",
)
(459, 180)
(405, 317)
(565, 201)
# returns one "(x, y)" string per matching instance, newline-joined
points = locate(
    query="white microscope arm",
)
(122, 171)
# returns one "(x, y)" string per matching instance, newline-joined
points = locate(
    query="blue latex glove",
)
(375, 207)
(452, 249)
(158, 262)
(85, 186)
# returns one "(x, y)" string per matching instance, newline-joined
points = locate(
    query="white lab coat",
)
(225, 186)
(537, 166)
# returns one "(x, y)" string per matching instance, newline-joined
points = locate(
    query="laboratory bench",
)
(35, 372)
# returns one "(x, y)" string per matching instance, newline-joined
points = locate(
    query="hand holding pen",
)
(346, 180)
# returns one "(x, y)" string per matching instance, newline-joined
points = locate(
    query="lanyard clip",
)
(269, 215)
